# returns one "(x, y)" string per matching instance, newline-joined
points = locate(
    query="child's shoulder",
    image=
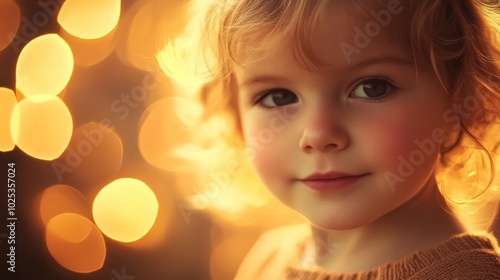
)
(273, 252)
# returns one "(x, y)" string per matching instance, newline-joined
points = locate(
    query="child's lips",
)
(331, 180)
(327, 176)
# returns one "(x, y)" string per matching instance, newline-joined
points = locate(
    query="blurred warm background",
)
(113, 179)
(105, 183)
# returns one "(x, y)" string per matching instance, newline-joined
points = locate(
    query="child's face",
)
(367, 117)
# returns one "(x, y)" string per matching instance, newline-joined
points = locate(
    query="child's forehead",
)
(362, 29)
(345, 34)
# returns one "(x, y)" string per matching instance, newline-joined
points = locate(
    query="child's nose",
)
(323, 130)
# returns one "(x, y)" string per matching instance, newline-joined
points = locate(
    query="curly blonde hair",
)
(457, 40)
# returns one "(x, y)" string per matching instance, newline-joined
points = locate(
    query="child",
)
(367, 102)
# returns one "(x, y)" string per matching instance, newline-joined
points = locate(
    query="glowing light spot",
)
(44, 67)
(164, 133)
(125, 209)
(88, 52)
(60, 199)
(163, 226)
(94, 154)
(42, 130)
(101, 48)
(138, 39)
(89, 19)
(70, 227)
(75, 243)
(10, 17)
(7, 103)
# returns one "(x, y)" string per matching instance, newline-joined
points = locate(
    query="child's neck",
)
(420, 223)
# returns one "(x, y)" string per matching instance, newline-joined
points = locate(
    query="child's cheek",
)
(273, 143)
(402, 146)
(263, 145)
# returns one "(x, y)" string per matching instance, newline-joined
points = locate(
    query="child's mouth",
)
(331, 180)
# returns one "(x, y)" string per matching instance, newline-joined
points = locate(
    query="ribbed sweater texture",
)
(277, 255)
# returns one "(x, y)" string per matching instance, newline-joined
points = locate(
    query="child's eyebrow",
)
(262, 79)
(389, 59)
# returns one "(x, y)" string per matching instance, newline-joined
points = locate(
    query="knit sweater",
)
(277, 255)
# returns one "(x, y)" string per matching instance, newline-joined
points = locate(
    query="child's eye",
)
(277, 98)
(372, 88)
